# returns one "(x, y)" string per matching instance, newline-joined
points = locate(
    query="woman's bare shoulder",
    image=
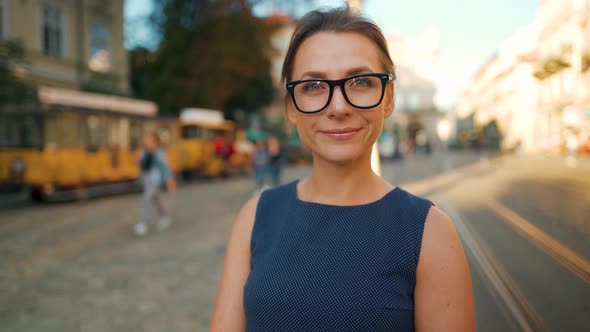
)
(436, 214)
(440, 234)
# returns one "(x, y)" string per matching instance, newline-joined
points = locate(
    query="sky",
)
(469, 31)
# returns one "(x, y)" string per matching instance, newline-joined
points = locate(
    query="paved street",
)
(524, 221)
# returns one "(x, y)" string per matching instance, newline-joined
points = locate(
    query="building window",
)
(100, 56)
(52, 30)
(2, 20)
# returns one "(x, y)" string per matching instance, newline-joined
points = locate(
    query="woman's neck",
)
(352, 183)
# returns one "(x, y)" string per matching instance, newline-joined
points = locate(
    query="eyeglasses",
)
(361, 91)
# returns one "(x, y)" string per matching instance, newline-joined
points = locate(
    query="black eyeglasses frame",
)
(385, 78)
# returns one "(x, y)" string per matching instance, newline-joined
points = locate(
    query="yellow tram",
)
(76, 144)
(200, 127)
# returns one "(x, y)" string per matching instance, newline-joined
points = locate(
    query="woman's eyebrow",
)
(349, 72)
(312, 74)
(359, 70)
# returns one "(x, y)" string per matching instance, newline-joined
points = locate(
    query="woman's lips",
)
(341, 133)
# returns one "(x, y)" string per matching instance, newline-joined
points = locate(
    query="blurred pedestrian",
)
(230, 149)
(342, 249)
(219, 145)
(155, 172)
(276, 153)
(260, 161)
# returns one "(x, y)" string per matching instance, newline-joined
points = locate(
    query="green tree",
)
(13, 91)
(212, 54)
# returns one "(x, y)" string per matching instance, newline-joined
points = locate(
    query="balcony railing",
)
(550, 66)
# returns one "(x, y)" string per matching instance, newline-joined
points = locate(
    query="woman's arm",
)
(228, 312)
(165, 170)
(162, 160)
(443, 296)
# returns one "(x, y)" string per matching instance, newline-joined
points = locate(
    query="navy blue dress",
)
(318, 267)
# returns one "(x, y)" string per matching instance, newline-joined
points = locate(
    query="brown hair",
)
(342, 19)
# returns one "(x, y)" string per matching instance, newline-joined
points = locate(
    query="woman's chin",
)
(340, 156)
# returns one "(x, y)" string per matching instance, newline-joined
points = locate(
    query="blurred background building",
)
(416, 116)
(498, 105)
(68, 44)
(534, 93)
(562, 69)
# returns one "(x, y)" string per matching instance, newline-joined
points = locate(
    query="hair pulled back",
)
(341, 19)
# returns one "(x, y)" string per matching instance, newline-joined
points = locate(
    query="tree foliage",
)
(212, 54)
(13, 91)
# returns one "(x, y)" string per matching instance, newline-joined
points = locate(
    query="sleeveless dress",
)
(319, 267)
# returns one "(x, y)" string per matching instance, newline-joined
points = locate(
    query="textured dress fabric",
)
(319, 267)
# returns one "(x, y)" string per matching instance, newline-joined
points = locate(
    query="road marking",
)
(503, 287)
(554, 248)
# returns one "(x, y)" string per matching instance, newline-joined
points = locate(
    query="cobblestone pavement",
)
(78, 267)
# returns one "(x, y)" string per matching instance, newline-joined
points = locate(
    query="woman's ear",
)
(389, 100)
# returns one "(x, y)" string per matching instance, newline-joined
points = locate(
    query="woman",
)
(154, 173)
(342, 249)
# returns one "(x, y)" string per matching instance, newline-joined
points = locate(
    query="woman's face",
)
(341, 133)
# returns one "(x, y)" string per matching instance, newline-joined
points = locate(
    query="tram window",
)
(113, 128)
(96, 132)
(192, 132)
(68, 131)
(93, 132)
(31, 131)
(4, 136)
(9, 131)
(82, 131)
(13, 128)
(2, 130)
(135, 134)
(20, 131)
(51, 131)
(124, 134)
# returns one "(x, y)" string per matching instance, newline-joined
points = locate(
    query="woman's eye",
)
(312, 86)
(360, 82)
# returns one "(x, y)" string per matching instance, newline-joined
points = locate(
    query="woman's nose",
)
(338, 105)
